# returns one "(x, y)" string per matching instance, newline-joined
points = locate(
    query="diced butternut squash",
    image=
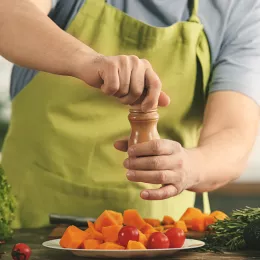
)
(142, 238)
(111, 246)
(160, 228)
(219, 215)
(148, 229)
(104, 220)
(166, 227)
(181, 224)
(134, 245)
(198, 224)
(96, 235)
(209, 220)
(89, 234)
(168, 220)
(110, 233)
(132, 218)
(91, 244)
(73, 237)
(117, 216)
(191, 213)
(153, 222)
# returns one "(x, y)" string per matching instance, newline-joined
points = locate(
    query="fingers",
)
(111, 80)
(162, 193)
(148, 163)
(131, 80)
(154, 147)
(136, 82)
(153, 177)
(153, 85)
(124, 72)
(121, 145)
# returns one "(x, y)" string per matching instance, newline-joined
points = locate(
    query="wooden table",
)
(35, 237)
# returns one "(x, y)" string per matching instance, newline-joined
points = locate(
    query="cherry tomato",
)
(21, 252)
(176, 237)
(158, 240)
(127, 233)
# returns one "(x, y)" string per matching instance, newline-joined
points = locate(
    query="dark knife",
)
(57, 219)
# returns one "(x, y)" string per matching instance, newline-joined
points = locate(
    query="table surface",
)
(35, 237)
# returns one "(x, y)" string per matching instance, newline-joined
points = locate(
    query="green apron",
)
(59, 155)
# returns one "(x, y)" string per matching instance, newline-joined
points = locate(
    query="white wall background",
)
(252, 173)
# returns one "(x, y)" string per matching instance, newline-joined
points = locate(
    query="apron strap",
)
(194, 6)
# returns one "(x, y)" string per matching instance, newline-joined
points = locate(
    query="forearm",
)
(221, 158)
(30, 39)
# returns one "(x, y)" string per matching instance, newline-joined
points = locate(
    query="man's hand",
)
(128, 78)
(162, 162)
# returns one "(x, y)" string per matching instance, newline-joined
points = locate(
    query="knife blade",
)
(56, 219)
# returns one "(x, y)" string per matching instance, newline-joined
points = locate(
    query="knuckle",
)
(136, 92)
(134, 59)
(176, 147)
(146, 63)
(161, 177)
(110, 90)
(123, 59)
(156, 146)
(164, 193)
(156, 163)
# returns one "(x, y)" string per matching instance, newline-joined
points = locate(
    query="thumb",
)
(122, 145)
(164, 100)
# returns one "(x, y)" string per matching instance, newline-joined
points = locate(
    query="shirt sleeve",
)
(237, 67)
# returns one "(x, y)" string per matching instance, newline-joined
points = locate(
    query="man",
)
(58, 154)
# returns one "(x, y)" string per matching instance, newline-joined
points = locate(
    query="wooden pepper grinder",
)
(143, 124)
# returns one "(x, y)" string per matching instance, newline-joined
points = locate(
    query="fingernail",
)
(131, 151)
(130, 174)
(126, 163)
(145, 194)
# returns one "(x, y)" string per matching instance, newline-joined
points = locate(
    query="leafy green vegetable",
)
(228, 235)
(7, 207)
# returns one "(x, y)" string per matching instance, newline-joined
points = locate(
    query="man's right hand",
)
(128, 78)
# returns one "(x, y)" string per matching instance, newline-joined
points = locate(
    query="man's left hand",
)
(162, 162)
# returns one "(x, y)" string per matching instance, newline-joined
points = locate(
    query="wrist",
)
(197, 167)
(83, 63)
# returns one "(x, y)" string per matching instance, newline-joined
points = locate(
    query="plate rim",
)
(200, 244)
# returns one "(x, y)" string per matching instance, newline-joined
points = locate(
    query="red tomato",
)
(21, 252)
(127, 233)
(158, 240)
(176, 237)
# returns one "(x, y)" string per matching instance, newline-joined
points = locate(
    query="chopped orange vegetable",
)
(219, 215)
(181, 224)
(189, 214)
(198, 224)
(153, 222)
(209, 220)
(168, 220)
(91, 244)
(110, 233)
(73, 237)
(111, 246)
(142, 238)
(132, 218)
(148, 229)
(96, 235)
(135, 245)
(160, 228)
(168, 227)
(104, 220)
(117, 216)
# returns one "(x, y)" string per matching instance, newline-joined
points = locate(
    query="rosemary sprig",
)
(227, 235)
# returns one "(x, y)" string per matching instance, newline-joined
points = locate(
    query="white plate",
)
(189, 244)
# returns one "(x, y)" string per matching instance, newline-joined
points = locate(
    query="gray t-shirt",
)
(232, 28)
